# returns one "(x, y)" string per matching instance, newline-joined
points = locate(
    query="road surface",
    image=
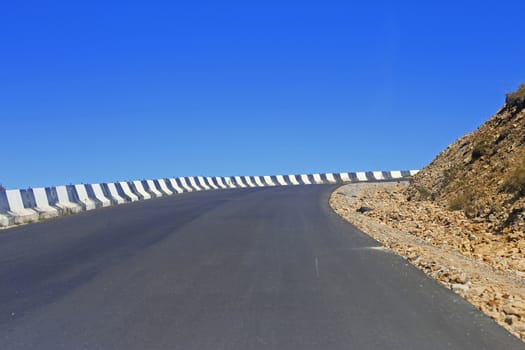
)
(264, 268)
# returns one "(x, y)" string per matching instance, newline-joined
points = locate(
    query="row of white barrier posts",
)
(20, 206)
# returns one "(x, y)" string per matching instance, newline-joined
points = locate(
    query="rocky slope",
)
(461, 220)
(483, 173)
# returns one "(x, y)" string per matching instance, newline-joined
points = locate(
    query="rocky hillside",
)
(483, 173)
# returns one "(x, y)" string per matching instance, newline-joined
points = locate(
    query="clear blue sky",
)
(99, 91)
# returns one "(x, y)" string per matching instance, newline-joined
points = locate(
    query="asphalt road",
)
(266, 268)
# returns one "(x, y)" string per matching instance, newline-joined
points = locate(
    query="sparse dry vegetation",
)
(450, 173)
(517, 97)
(424, 193)
(516, 178)
(480, 149)
(463, 200)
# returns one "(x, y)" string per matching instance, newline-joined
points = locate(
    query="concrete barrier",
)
(212, 184)
(378, 175)
(149, 185)
(82, 197)
(193, 183)
(65, 205)
(330, 178)
(163, 187)
(202, 183)
(126, 191)
(361, 176)
(293, 180)
(258, 181)
(96, 193)
(17, 211)
(42, 205)
(396, 174)
(20, 206)
(139, 190)
(113, 193)
(345, 177)
(5, 220)
(305, 179)
(220, 183)
(268, 181)
(185, 185)
(175, 186)
(280, 180)
(238, 181)
(248, 181)
(228, 182)
(233, 182)
(317, 179)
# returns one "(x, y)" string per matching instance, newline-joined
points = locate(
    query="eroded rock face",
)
(483, 173)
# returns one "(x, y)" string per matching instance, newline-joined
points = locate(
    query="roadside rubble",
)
(486, 269)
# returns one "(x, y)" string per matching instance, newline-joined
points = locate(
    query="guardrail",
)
(33, 204)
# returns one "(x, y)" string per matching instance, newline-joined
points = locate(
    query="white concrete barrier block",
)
(64, 204)
(115, 196)
(317, 179)
(203, 183)
(175, 185)
(345, 177)
(16, 208)
(249, 182)
(238, 179)
(44, 209)
(128, 192)
(84, 199)
(164, 187)
(378, 175)
(305, 179)
(330, 177)
(140, 190)
(153, 188)
(293, 180)
(185, 184)
(14, 199)
(99, 195)
(268, 181)
(361, 176)
(258, 181)
(280, 180)
(413, 172)
(396, 174)
(228, 181)
(211, 183)
(194, 184)
(220, 182)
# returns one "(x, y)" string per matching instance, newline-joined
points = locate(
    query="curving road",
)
(265, 268)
